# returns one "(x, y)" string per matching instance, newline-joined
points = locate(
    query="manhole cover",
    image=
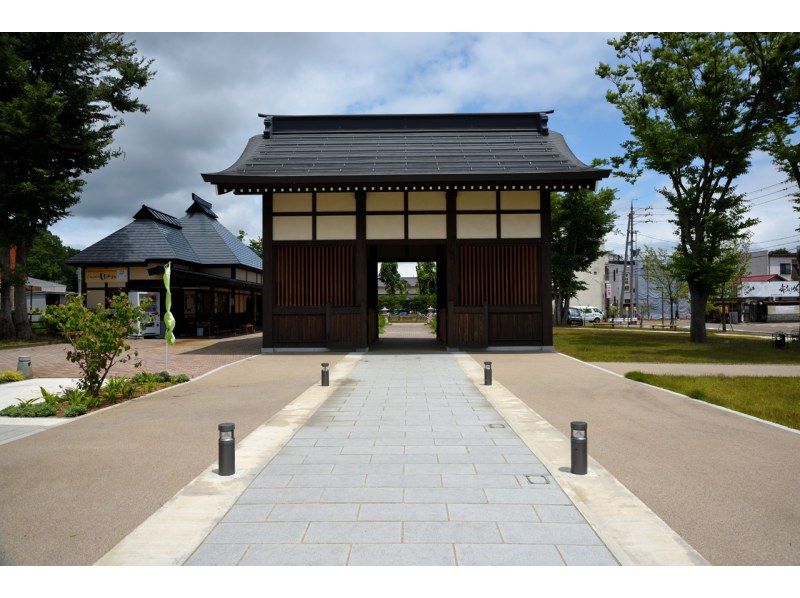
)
(496, 426)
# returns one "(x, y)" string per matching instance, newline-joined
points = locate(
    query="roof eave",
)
(228, 179)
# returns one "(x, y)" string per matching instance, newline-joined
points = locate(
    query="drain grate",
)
(496, 426)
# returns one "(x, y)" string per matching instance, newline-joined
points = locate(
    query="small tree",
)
(581, 220)
(389, 275)
(98, 337)
(254, 243)
(660, 267)
(736, 259)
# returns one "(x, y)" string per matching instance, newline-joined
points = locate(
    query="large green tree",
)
(426, 278)
(47, 260)
(61, 97)
(389, 275)
(580, 221)
(698, 105)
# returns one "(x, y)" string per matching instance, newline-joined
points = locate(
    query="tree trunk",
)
(698, 300)
(671, 311)
(6, 318)
(557, 308)
(22, 321)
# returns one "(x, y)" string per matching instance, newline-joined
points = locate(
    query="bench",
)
(662, 326)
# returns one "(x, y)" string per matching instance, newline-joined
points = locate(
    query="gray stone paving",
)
(13, 432)
(402, 468)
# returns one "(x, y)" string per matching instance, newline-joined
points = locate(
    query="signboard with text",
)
(106, 275)
(775, 288)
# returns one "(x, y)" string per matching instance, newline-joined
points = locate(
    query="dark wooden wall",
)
(506, 274)
(492, 293)
(314, 275)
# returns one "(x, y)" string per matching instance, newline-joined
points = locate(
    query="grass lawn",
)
(591, 344)
(774, 398)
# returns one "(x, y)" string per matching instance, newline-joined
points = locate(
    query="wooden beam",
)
(451, 259)
(267, 274)
(545, 291)
(360, 267)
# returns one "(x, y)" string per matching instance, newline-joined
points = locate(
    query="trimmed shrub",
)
(74, 411)
(10, 376)
(29, 409)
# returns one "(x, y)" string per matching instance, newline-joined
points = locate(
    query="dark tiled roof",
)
(148, 213)
(197, 238)
(363, 148)
(200, 205)
(215, 244)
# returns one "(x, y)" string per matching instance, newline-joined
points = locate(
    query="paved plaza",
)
(192, 356)
(405, 464)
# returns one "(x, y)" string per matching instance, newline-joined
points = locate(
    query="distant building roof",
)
(37, 285)
(414, 148)
(196, 238)
(761, 278)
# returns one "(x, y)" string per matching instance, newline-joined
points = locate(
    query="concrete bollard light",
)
(579, 444)
(227, 449)
(24, 366)
(487, 373)
(326, 375)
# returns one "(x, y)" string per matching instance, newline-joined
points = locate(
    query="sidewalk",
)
(407, 464)
(727, 484)
(192, 356)
(69, 494)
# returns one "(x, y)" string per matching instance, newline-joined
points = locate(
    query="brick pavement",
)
(409, 465)
(187, 356)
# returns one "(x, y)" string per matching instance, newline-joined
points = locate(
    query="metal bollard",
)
(326, 375)
(24, 366)
(579, 445)
(487, 373)
(227, 449)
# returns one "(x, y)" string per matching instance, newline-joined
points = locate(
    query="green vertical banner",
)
(169, 319)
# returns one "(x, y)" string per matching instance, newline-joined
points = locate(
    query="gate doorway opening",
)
(410, 318)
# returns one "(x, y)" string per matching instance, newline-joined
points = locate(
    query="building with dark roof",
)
(216, 279)
(343, 193)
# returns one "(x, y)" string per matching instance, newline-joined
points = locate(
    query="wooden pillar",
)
(361, 268)
(267, 275)
(545, 289)
(451, 258)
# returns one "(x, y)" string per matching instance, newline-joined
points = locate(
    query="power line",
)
(767, 187)
(656, 238)
(775, 239)
(773, 199)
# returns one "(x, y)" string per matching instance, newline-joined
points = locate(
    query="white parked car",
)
(590, 313)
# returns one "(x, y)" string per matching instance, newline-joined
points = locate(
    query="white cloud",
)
(209, 87)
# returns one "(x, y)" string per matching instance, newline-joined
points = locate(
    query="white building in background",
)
(595, 280)
(773, 262)
(42, 293)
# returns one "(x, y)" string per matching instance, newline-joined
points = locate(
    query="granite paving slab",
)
(406, 465)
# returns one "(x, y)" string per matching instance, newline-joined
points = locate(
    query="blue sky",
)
(209, 88)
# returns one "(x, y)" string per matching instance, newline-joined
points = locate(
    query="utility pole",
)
(625, 263)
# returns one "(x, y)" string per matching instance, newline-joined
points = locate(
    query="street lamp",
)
(578, 442)
(227, 449)
(326, 380)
